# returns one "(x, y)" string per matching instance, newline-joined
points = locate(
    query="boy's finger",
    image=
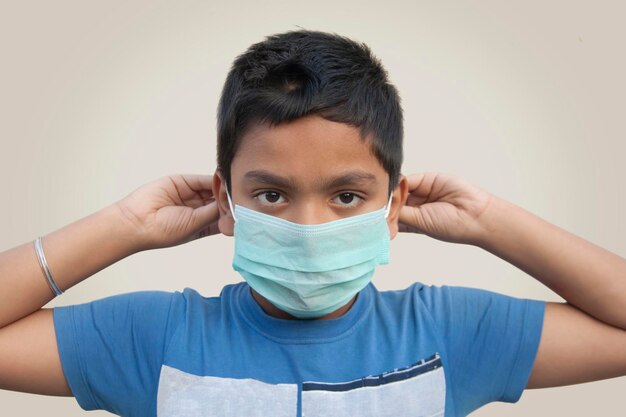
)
(203, 217)
(421, 184)
(198, 182)
(411, 219)
(404, 228)
(189, 186)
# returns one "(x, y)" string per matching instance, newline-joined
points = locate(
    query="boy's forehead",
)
(308, 150)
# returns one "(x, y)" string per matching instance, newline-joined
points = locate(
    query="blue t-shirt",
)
(422, 351)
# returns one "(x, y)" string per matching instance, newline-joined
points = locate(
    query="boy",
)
(308, 183)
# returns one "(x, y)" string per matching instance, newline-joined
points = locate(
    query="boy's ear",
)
(400, 195)
(225, 222)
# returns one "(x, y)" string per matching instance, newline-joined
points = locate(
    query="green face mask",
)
(309, 270)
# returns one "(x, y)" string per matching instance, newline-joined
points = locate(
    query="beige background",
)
(524, 99)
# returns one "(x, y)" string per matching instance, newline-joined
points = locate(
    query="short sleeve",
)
(491, 341)
(112, 349)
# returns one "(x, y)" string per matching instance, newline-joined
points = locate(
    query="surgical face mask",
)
(309, 270)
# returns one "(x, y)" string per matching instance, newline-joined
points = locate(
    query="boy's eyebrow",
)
(356, 177)
(267, 177)
(348, 178)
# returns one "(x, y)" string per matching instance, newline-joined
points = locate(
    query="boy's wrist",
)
(125, 231)
(495, 224)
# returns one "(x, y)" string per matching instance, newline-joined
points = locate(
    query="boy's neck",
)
(273, 311)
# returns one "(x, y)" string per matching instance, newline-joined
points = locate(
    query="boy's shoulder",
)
(434, 297)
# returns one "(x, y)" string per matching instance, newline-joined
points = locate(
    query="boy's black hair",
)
(298, 73)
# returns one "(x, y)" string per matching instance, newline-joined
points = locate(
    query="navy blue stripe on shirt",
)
(425, 365)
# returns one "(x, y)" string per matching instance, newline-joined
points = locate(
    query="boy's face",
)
(308, 171)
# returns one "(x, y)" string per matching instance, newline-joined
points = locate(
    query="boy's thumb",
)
(205, 215)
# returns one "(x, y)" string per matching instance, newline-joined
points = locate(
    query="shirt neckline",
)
(302, 331)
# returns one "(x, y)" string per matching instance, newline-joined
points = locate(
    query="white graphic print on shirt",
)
(416, 390)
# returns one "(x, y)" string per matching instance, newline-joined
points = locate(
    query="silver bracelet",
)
(44, 268)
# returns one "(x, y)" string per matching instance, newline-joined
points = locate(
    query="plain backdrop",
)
(524, 99)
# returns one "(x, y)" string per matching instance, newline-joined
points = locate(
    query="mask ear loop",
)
(230, 204)
(388, 206)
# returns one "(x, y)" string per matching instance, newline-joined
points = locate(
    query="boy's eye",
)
(348, 199)
(269, 198)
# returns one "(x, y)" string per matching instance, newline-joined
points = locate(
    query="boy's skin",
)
(578, 344)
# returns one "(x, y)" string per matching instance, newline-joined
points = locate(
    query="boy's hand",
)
(444, 207)
(172, 210)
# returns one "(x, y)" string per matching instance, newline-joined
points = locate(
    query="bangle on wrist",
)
(44, 268)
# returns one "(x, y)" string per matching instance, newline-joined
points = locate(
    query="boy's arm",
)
(169, 211)
(29, 357)
(583, 339)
